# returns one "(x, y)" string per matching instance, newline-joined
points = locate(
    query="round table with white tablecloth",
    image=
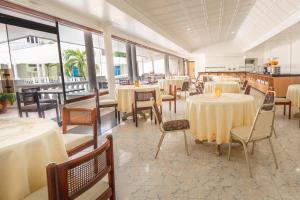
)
(226, 87)
(226, 78)
(293, 94)
(165, 83)
(211, 117)
(27, 146)
(125, 95)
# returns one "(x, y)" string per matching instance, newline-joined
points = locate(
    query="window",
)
(173, 65)
(150, 63)
(119, 59)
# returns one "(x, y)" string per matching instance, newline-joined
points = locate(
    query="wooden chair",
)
(171, 96)
(185, 87)
(143, 100)
(123, 81)
(30, 102)
(199, 90)
(244, 85)
(247, 90)
(170, 126)
(82, 178)
(37, 89)
(284, 102)
(261, 129)
(110, 103)
(82, 117)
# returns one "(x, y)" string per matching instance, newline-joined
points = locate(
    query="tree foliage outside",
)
(75, 58)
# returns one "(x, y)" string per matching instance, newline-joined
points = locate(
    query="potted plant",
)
(6, 98)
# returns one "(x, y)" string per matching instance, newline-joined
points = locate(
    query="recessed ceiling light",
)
(188, 29)
(232, 32)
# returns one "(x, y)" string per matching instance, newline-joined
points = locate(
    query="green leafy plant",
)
(119, 54)
(10, 97)
(75, 58)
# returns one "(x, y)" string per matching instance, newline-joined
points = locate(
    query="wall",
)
(285, 46)
(226, 54)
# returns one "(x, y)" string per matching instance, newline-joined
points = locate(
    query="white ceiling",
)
(266, 19)
(101, 15)
(179, 25)
(196, 23)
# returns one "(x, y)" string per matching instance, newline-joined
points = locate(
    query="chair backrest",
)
(144, 95)
(247, 90)
(263, 124)
(157, 113)
(245, 84)
(123, 81)
(68, 180)
(269, 97)
(27, 98)
(173, 90)
(185, 86)
(205, 79)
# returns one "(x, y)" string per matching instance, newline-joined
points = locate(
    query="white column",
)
(109, 60)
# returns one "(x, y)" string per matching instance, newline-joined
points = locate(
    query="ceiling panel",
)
(211, 21)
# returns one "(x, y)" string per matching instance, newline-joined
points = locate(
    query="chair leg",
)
(133, 115)
(186, 144)
(170, 105)
(274, 132)
(151, 114)
(175, 106)
(290, 110)
(57, 115)
(119, 117)
(136, 118)
(246, 156)
(229, 149)
(272, 149)
(284, 109)
(116, 112)
(159, 144)
(252, 150)
(26, 114)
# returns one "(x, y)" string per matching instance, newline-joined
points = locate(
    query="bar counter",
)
(262, 82)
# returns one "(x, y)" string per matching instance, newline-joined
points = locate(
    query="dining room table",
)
(293, 94)
(226, 78)
(125, 96)
(211, 117)
(27, 146)
(225, 86)
(165, 83)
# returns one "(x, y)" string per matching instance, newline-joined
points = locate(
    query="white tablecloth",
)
(293, 94)
(26, 147)
(125, 95)
(165, 83)
(226, 78)
(211, 118)
(226, 87)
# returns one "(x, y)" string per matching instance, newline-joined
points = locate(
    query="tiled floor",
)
(203, 175)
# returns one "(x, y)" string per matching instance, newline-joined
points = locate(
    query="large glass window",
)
(119, 59)
(173, 65)
(6, 82)
(151, 64)
(100, 61)
(34, 58)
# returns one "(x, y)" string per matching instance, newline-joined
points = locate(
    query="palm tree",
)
(75, 58)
